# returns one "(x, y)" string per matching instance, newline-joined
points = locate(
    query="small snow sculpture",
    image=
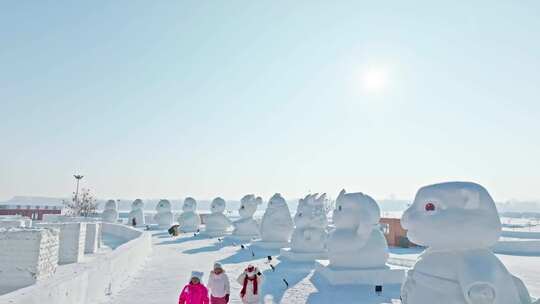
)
(310, 234)
(277, 224)
(164, 216)
(246, 227)
(136, 215)
(357, 241)
(189, 220)
(458, 222)
(110, 214)
(216, 222)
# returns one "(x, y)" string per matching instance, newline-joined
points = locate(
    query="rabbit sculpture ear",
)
(342, 193)
(259, 200)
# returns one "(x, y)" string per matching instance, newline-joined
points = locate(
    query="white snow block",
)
(359, 276)
(288, 254)
(72, 241)
(92, 239)
(27, 256)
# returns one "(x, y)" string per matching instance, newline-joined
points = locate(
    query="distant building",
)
(394, 233)
(34, 212)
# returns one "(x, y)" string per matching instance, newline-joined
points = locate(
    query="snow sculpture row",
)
(456, 221)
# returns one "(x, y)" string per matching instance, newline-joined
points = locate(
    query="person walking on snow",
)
(194, 292)
(219, 286)
(251, 281)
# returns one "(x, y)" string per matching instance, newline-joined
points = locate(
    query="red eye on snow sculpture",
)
(430, 207)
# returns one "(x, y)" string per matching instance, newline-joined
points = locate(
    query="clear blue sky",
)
(164, 99)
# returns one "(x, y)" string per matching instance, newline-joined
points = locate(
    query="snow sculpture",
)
(216, 222)
(189, 220)
(309, 237)
(277, 224)
(246, 228)
(136, 215)
(110, 214)
(458, 222)
(357, 241)
(357, 248)
(164, 216)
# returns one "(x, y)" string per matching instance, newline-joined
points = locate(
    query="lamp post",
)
(78, 178)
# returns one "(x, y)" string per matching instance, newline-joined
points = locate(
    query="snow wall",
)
(90, 282)
(72, 240)
(27, 256)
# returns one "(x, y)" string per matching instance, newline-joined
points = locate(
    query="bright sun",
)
(374, 80)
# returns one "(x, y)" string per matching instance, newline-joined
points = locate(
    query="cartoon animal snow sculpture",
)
(216, 222)
(110, 214)
(458, 223)
(246, 227)
(164, 216)
(189, 219)
(136, 215)
(311, 221)
(357, 241)
(277, 224)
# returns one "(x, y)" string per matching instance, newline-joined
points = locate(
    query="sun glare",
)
(374, 80)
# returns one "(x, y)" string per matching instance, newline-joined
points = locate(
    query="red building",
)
(34, 212)
(394, 233)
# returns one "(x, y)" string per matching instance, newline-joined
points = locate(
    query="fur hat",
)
(197, 274)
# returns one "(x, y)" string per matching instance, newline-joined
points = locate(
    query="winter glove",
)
(227, 298)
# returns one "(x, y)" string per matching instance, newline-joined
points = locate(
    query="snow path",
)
(173, 259)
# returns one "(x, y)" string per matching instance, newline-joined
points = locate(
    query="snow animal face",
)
(218, 205)
(248, 205)
(137, 204)
(310, 212)
(354, 210)
(190, 205)
(163, 206)
(111, 205)
(453, 215)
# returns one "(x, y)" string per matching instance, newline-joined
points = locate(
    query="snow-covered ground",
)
(173, 259)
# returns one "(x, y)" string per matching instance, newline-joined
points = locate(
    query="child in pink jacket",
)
(194, 292)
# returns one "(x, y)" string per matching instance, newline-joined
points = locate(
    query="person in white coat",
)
(251, 281)
(219, 286)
